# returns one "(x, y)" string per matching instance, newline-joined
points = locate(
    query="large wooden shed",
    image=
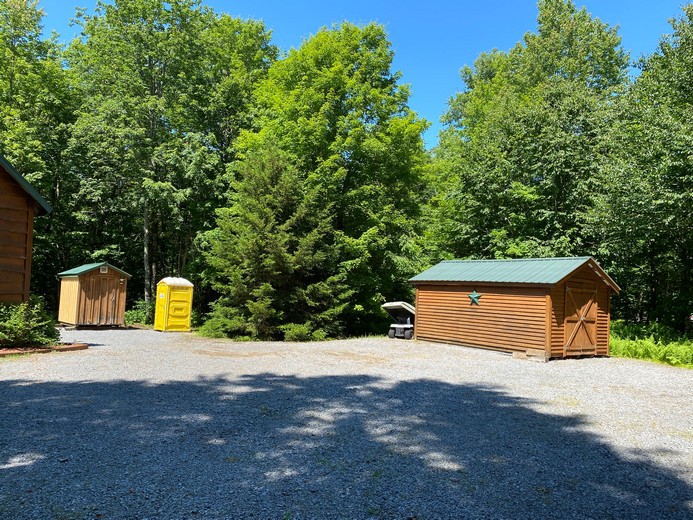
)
(93, 294)
(540, 307)
(19, 204)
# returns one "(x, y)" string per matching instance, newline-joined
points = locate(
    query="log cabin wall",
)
(17, 211)
(509, 318)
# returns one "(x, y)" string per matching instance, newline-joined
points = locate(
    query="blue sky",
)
(432, 39)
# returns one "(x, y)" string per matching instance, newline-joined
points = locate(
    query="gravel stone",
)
(156, 425)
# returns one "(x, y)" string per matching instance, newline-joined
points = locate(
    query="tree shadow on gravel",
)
(268, 446)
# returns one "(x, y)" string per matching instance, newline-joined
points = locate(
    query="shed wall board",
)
(557, 316)
(100, 299)
(69, 297)
(445, 313)
(603, 321)
(17, 211)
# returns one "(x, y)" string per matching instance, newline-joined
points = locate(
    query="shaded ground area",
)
(277, 445)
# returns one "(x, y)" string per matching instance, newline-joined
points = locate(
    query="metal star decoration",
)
(474, 297)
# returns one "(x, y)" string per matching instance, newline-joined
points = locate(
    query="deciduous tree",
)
(167, 89)
(339, 110)
(517, 161)
(644, 220)
(37, 104)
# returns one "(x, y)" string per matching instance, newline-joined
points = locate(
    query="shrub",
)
(654, 342)
(229, 322)
(302, 332)
(296, 332)
(26, 325)
(319, 335)
(142, 313)
(195, 318)
(224, 322)
(659, 332)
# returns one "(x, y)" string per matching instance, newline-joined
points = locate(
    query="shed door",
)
(580, 320)
(103, 301)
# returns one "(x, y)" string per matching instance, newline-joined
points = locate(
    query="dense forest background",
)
(294, 189)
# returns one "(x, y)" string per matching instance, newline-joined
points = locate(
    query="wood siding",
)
(603, 320)
(69, 296)
(97, 299)
(17, 211)
(507, 318)
(557, 317)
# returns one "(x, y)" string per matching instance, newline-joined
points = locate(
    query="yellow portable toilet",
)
(173, 305)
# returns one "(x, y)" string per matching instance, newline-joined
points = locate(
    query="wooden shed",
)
(539, 307)
(93, 294)
(19, 204)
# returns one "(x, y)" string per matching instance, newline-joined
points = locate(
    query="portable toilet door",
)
(173, 305)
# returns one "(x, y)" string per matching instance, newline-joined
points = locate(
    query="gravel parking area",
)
(173, 426)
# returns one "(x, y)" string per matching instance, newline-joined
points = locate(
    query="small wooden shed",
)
(539, 307)
(93, 294)
(19, 204)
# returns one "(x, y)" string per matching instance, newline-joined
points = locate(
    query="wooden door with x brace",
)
(580, 320)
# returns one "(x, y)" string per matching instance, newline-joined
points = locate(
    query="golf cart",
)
(403, 313)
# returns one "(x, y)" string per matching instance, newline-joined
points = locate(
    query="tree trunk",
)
(686, 308)
(154, 255)
(147, 265)
(653, 311)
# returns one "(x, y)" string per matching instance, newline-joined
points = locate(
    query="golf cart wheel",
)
(408, 334)
(391, 333)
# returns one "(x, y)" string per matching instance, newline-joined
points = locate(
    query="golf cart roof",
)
(394, 307)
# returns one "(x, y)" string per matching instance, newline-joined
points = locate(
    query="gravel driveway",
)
(153, 425)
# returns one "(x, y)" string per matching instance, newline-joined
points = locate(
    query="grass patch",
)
(652, 342)
(11, 357)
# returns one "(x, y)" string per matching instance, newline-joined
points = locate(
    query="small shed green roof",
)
(77, 271)
(44, 207)
(544, 271)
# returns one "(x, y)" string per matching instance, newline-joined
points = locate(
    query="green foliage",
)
(222, 322)
(338, 111)
(659, 332)
(302, 332)
(167, 87)
(141, 313)
(643, 218)
(26, 325)
(273, 254)
(296, 193)
(37, 107)
(572, 45)
(653, 342)
(515, 166)
(296, 332)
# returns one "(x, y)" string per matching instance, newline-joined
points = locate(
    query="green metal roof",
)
(76, 271)
(43, 205)
(545, 271)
